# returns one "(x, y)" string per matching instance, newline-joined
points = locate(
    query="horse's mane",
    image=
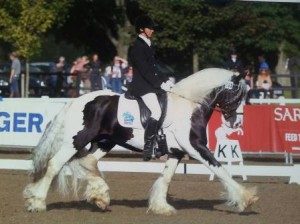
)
(198, 85)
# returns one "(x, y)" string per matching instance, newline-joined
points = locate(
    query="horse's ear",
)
(236, 78)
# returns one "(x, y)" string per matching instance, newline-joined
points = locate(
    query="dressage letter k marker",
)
(234, 152)
(221, 150)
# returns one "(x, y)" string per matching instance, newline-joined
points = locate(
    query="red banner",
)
(265, 129)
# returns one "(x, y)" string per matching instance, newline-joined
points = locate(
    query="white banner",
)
(23, 121)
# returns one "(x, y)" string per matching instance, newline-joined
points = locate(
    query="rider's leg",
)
(152, 103)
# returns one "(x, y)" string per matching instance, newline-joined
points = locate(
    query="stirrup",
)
(148, 151)
(162, 145)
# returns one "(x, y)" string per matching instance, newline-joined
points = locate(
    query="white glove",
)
(164, 86)
(170, 83)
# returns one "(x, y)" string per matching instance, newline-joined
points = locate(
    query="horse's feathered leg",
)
(97, 190)
(35, 193)
(52, 152)
(158, 195)
(235, 194)
(86, 168)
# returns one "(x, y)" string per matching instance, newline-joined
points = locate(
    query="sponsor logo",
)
(21, 122)
(287, 114)
(128, 118)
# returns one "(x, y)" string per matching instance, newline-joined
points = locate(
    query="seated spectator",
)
(264, 82)
(249, 80)
(250, 85)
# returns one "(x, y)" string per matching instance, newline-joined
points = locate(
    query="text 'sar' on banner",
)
(287, 127)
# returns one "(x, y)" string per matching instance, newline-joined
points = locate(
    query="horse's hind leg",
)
(158, 195)
(35, 193)
(97, 190)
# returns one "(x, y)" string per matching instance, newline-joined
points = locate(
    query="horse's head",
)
(229, 99)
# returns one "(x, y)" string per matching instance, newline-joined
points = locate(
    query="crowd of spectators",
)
(257, 85)
(85, 75)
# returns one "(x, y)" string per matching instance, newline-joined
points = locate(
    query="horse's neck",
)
(185, 108)
(208, 105)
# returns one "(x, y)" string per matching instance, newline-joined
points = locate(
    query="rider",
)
(147, 82)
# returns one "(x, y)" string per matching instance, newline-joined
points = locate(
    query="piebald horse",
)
(190, 106)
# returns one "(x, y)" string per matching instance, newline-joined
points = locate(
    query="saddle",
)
(133, 113)
(145, 112)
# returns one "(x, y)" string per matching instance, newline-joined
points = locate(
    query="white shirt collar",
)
(148, 41)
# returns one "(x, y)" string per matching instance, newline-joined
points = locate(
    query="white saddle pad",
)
(129, 113)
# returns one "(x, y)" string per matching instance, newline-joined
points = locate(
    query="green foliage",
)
(93, 25)
(212, 29)
(23, 23)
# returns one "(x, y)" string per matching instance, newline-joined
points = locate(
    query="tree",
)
(210, 29)
(97, 26)
(23, 24)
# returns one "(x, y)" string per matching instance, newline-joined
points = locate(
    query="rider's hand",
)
(165, 87)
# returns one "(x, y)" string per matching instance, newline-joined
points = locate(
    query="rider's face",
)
(148, 32)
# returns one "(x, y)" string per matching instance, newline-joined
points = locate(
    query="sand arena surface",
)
(196, 199)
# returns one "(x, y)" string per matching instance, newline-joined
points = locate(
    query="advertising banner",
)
(22, 122)
(265, 128)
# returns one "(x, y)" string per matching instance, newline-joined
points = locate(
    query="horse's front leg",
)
(235, 194)
(35, 193)
(158, 195)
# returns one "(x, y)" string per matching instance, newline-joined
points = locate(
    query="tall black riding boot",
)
(150, 136)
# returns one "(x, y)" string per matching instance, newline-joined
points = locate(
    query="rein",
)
(228, 85)
(196, 102)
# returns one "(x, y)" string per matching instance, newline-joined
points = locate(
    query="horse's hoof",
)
(35, 205)
(101, 204)
(251, 201)
(162, 210)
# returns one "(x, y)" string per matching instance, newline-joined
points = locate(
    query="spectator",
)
(234, 64)
(14, 75)
(114, 73)
(95, 69)
(262, 63)
(294, 68)
(79, 69)
(60, 71)
(127, 78)
(264, 82)
(250, 85)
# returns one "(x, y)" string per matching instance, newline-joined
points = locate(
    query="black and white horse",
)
(190, 105)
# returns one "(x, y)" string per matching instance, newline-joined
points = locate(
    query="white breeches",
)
(151, 101)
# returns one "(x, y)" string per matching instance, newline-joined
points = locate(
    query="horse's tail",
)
(49, 144)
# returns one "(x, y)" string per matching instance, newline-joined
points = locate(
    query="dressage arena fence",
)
(25, 120)
(292, 171)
